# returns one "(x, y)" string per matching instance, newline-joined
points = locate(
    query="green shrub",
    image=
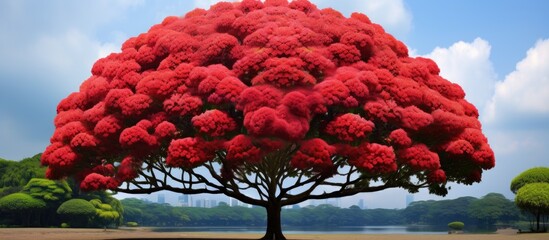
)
(132, 224)
(456, 225)
(77, 212)
(17, 202)
(533, 175)
(65, 225)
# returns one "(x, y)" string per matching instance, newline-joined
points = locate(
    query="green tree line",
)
(487, 211)
(28, 199)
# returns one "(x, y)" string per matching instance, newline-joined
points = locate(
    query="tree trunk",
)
(537, 218)
(274, 225)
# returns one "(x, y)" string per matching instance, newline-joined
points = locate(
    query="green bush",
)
(20, 202)
(456, 226)
(65, 225)
(132, 224)
(77, 212)
(533, 175)
(21, 209)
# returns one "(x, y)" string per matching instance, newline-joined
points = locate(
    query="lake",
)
(317, 230)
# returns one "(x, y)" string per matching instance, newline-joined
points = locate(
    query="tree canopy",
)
(272, 103)
(21, 202)
(48, 190)
(77, 211)
(534, 198)
(21, 209)
(533, 175)
(492, 208)
(15, 174)
(532, 195)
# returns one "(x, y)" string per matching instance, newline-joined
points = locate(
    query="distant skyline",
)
(498, 51)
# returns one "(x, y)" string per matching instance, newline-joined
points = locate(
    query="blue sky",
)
(497, 50)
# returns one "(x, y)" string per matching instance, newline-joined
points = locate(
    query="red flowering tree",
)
(272, 103)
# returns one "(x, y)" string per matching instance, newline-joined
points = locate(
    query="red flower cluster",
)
(372, 157)
(315, 154)
(214, 123)
(251, 77)
(187, 152)
(349, 127)
(240, 149)
(419, 157)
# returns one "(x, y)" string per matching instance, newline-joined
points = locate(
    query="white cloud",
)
(64, 60)
(391, 14)
(525, 90)
(205, 4)
(468, 64)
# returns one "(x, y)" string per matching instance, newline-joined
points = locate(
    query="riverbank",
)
(144, 233)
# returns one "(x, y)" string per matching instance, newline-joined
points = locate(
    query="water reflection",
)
(318, 230)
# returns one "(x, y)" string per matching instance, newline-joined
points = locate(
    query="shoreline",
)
(140, 233)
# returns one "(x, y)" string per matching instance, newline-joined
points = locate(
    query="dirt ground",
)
(143, 233)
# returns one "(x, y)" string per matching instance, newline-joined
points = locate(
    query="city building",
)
(161, 198)
(409, 199)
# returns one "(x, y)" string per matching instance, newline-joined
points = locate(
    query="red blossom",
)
(419, 157)
(344, 54)
(254, 98)
(460, 147)
(165, 129)
(95, 181)
(374, 158)
(414, 118)
(75, 100)
(227, 91)
(437, 176)
(214, 123)
(399, 138)
(349, 127)
(240, 149)
(284, 73)
(136, 137)
(94, 114)
(484, 156)
(159, 85)
(384, 111)
(65, 117)
(62, 158)
(104, 169)
(315, 154)
(84, 140)
(182, 104)
(187, 152)
(68, 131)
(108, 126)
(135, 105)
(127, 169)
(46, 155)
(95, 88)
(116, 97)
(334, 92)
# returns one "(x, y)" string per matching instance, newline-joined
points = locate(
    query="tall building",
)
(200, 203)
(409, 199)
(233, 202)
(161, 198)
(211, 203)
(184, 200)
